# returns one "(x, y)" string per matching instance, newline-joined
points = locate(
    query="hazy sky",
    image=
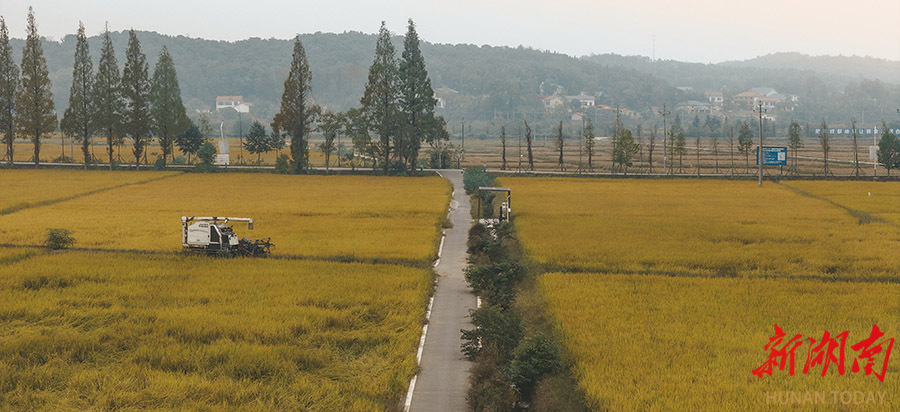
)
(690, 30)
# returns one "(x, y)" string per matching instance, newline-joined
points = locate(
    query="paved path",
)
(444, 373)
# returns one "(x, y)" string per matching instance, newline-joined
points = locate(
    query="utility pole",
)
(759, 152)
(665, 113)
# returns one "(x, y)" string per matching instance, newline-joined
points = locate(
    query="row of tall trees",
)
(624, 148)
(105, 104)
(395, 116)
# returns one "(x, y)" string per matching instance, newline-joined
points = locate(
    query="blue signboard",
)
(773, 155)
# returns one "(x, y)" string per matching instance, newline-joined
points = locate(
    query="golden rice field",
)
(659, 343)
(674, 286)
(118, 331)
(880, 199)
(377, 218)
(22, 188)
(707, 228)
(52, 149)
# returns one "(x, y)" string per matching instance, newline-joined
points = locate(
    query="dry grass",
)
(668, 343)
(352, 216)
(704, 228)
(100, 331)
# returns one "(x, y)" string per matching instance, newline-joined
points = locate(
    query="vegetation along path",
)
(443, 378)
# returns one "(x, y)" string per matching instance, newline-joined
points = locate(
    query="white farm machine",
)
(212, 235)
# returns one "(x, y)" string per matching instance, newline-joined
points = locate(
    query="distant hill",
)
(853, 67)
(485, 82)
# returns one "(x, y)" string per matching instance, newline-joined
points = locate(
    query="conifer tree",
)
(560, 145)
(35, 114)
(9, 80)
(136, 96)
(108, 97)
(167, 116)
(589, 143)
(298, 114)
(528, 144)
(379, 101)
(503, 144)
(416, 100)
(77, 118)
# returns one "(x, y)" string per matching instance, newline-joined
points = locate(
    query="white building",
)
(232, 102)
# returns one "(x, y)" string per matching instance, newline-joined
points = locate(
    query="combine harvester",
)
(213, 236)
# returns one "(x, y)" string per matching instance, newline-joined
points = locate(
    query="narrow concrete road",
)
(444, 372)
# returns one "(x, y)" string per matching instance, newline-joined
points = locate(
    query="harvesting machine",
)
(212, 235)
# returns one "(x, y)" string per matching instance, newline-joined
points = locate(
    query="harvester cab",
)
(212, 235)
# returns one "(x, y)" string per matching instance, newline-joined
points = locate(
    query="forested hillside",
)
(488, 81)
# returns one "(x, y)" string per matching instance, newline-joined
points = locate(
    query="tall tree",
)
(825, 143)
(379, 101)
(715, 145)
(560, 145)
(77, 120)
(680, 150)
(136, 94)
(168, 118)
(624, 150)
(35, 114)
(416, 100)
(503, 146)
(856, 168)
(331, 126)
(108, 97)
(9, 80)
(298, 114)
(745, 143)
(191, 139)
(794, 143)
(888, 149)
(257, 141)
(697, 143)
(589, 143)
(651, 144)
(528, 143)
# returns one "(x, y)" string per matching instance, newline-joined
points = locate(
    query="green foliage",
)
(297, 115)
(489, 391)
(190, 140)
(496, 282)
(207, 153)
(475, 177)
(107, 116)
(625, 148)
(745, 141)
(332, 124)
(416, 100)
(257, 141)
(35, 113)
(167, 114)
(9, 79)
(535, 358)
(825, 143)
(76, 121)
(380, 98)
(283, 165)
(495, 327)
(528, 143)
(888, 150)
(58, 239)
(136, 97)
